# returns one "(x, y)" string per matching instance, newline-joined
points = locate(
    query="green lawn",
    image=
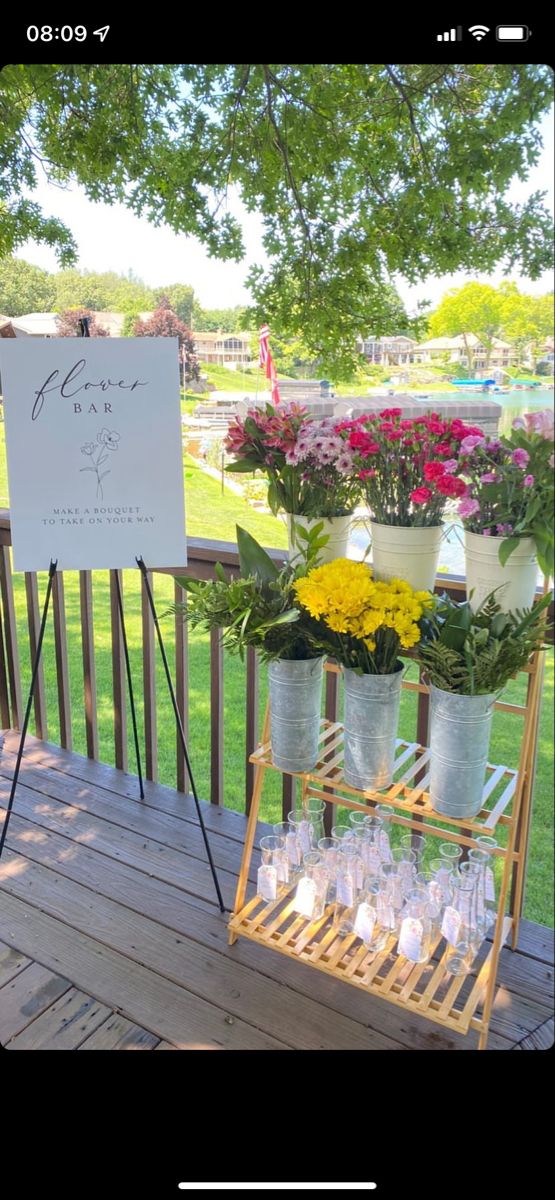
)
(211, 515)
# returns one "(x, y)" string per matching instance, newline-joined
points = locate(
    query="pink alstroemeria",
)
(469, 444)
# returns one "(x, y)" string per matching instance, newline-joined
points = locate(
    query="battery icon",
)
(512, 33)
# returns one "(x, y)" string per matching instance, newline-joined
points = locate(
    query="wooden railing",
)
(202, 558)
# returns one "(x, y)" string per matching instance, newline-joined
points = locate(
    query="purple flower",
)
(520, 457)
(486, 532)
(504, 530)
(528, 481)
(468, 507)
(488, 477)
(450, 466)
(519, 423)
(469, 443)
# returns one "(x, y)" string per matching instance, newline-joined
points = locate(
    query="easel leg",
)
(51, 574)
(251, 829)
(130, 686)
(142, 567)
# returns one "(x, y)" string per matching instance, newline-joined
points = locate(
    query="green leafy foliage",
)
(476, 653)
(358, 172)
(258, 609)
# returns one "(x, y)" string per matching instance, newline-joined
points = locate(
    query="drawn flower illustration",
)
(108, 438)
(105, 440)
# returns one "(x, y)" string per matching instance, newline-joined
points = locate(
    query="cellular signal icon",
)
(452, 35)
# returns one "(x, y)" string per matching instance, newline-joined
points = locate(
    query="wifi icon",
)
(478, 31)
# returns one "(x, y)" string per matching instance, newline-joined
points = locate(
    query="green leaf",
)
(220, 573)
(506, 549)
(253, 558)
(244, 465)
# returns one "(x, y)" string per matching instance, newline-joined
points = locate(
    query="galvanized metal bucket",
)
(295, 703)
(371, 720)
(459, 739)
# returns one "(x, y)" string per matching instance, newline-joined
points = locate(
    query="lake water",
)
(451, 559)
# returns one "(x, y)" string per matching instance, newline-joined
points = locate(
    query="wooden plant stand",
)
(458, 1003)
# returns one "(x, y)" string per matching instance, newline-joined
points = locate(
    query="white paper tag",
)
(305, 897)
(305, 836)
(490, 886)
(266, 882)
(364, 922)
(410, 938)
(292, 846)
(345, 890)
(451, 924)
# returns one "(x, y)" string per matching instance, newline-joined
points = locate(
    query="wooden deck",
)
(110, 936)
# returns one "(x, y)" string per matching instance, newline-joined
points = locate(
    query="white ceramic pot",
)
(406, 552)
(336, 528)
(517, 580)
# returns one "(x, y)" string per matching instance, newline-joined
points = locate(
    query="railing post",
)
(216, 717)
(149, 683)
(89, 668)
(181, 686)
(118, 676)
(33, 619)
(251, 738)
(62, 668)
(10, 631)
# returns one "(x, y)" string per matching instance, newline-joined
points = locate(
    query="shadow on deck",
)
(111, 938)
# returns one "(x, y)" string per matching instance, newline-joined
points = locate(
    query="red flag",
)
(267, 361)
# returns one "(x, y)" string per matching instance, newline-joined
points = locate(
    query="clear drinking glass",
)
(293, 848)
(274, 853)
(471, 871)
(367, 837)
(450, 853)
(416, 927)
(385, 812)
(328, 847)
(458, 924)
(357, 818)
(392, 895)
(443, 871)
(343, 832)
(405, 860)
(347, 886)
(489, 844)
(416, 843)
(312, 888)
(459, 958)
(436, 903)
(313, 810)
(368, 924)
(304, 831)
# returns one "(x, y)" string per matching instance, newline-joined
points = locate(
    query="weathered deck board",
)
(110, 899)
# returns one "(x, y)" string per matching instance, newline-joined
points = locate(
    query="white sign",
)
(93, 438)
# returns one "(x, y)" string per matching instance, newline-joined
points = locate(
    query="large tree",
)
(358, 171)
(25, 288)
(476, 308)
(181, 298)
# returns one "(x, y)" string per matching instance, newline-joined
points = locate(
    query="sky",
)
(110, 238)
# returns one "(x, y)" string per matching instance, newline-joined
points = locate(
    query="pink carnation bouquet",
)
(510, 486)
(408, 468)
(308, 464)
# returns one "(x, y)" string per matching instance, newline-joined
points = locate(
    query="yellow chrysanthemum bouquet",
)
(363, 623)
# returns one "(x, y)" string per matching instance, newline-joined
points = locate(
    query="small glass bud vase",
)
(392, 896)
(488, 845)
(312, 888)
(328, 847)
(416, 927)
(292, 848)
(443, 872)
(405, 860)
(348, 887)
(450, 853)
(368, 923)
(385, 812)
(313, 810)
(304, 831)
(416, 843)
(436, 902)
(274, 854)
